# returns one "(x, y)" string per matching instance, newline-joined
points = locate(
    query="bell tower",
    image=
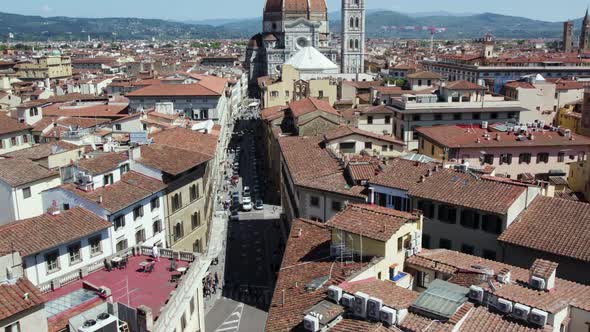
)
(353, 36)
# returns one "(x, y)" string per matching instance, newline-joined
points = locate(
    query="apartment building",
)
(438, 289)
(184, 161)
(373, 231)
(468, 214)
(132, 202)
(347, 140)
(458, 102)
(52, 66)
(543, 97)
(22, 183)
(14, 135)
(511, 150)
(28, 305)
(199, 98)
(554, 229)
(313, 183)
(49, 253)
(503, 69)
(291, 87)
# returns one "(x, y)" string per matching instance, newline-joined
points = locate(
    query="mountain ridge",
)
(380, 24)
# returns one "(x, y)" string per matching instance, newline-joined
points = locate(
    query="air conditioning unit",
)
(476, 293)
(538, 317)
(521, 311)
(103, 323)
(504, 306)
(387, 316)
(360, 304)
(538, 283)
(311, 323)
(373, 307)
(347, 301)
(334, 293)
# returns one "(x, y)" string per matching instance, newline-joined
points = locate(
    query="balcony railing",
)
(80, 273)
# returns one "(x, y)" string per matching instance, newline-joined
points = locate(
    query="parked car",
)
(259, 205)
(247, 204)
(246, 192)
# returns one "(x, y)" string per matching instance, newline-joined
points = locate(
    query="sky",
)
(548, 10)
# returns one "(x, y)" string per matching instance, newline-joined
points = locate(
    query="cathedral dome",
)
(295, 6)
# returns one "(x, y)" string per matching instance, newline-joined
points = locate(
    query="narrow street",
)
(252, 248)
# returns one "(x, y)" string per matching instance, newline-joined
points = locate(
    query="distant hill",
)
(37, 28)
(379, 25)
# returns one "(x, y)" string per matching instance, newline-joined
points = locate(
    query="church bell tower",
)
(353, 36)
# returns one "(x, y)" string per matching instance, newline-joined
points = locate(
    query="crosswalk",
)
(232, 322)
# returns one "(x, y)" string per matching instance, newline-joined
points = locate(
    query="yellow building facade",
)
(567, 118)
(40, 68)
(290, 87)
(579, 177)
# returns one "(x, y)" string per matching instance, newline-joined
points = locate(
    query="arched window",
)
(178, 231)
(352, 22)
(357, 22)
(351, 44)
(356, 44)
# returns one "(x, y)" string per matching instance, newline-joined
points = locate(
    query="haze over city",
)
(546, 10)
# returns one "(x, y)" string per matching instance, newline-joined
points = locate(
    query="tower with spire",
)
(585, 31)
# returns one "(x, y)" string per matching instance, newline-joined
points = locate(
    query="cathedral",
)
(290, 26)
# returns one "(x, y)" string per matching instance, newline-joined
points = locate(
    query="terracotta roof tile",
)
(103, 163)
(344, 131)
(370, 221)
(17, 172)
(42, 150)
(33, 235)
(553, 225)
(12, 298)
(402, 174)
(171, 160)
(306, 257)
(186, 139)
(132, 188)
(10, 125)
(308, 105)
(481, 319)
(173, 90)
(450, 262)
(454, 136)
(462, 189)
(391, 294)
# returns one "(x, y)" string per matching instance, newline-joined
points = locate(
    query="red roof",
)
(308, 105)
(453, 136)
(553, 225)
(303, 261)
(175, 90)
(33, 235)
(12, 297)
(374, 222)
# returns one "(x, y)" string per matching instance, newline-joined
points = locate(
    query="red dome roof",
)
(296, 6)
